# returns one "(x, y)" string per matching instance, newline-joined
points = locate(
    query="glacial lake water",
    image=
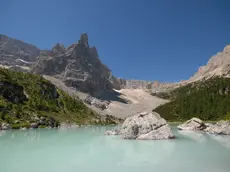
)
(88, 150)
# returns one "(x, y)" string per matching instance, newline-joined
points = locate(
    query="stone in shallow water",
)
(68, 125)
(144, 126)
(112, 132)
(221, 127)
(192, 124)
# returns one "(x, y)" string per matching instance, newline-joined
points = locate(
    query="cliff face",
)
(77, 66)
(152, 86)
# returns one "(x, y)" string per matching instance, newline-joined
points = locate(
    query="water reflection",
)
(2, 132)
(224, 140)
(195, 136)
(129, 152)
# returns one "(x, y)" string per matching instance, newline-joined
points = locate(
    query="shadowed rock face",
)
(12, 92)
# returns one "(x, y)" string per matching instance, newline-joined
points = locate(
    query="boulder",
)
(112, 132)
(33, 125)
(192, 124)
(23, 128)
(221, 127)
(146, 126)
(5, 126)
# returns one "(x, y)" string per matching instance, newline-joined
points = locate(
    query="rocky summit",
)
(77, 66)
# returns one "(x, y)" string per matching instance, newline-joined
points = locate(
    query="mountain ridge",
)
(59, 49)
(219, 62)
(79, 67)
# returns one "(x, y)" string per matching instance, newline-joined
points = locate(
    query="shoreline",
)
(68, 126)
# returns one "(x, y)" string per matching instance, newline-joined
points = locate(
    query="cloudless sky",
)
(165, 40)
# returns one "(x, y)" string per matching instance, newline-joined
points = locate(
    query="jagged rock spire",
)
(84, 39)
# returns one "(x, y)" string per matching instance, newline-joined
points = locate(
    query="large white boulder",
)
(146, 126)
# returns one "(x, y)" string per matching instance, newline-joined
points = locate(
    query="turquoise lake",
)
(88, 150)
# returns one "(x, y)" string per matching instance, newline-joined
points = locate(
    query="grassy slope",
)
(208, 100)
(41, 101)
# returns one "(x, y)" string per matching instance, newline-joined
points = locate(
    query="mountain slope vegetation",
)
(207, 99)
(25, 98)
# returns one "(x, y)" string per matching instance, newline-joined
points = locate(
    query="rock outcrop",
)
(144, 126)
(12, 92)
(221, 127)
(192, 124)
(195, 124)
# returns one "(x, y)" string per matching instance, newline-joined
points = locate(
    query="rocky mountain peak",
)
(84, 39)
(77, 66)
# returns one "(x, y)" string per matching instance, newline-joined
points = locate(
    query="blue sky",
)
(165, 40)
